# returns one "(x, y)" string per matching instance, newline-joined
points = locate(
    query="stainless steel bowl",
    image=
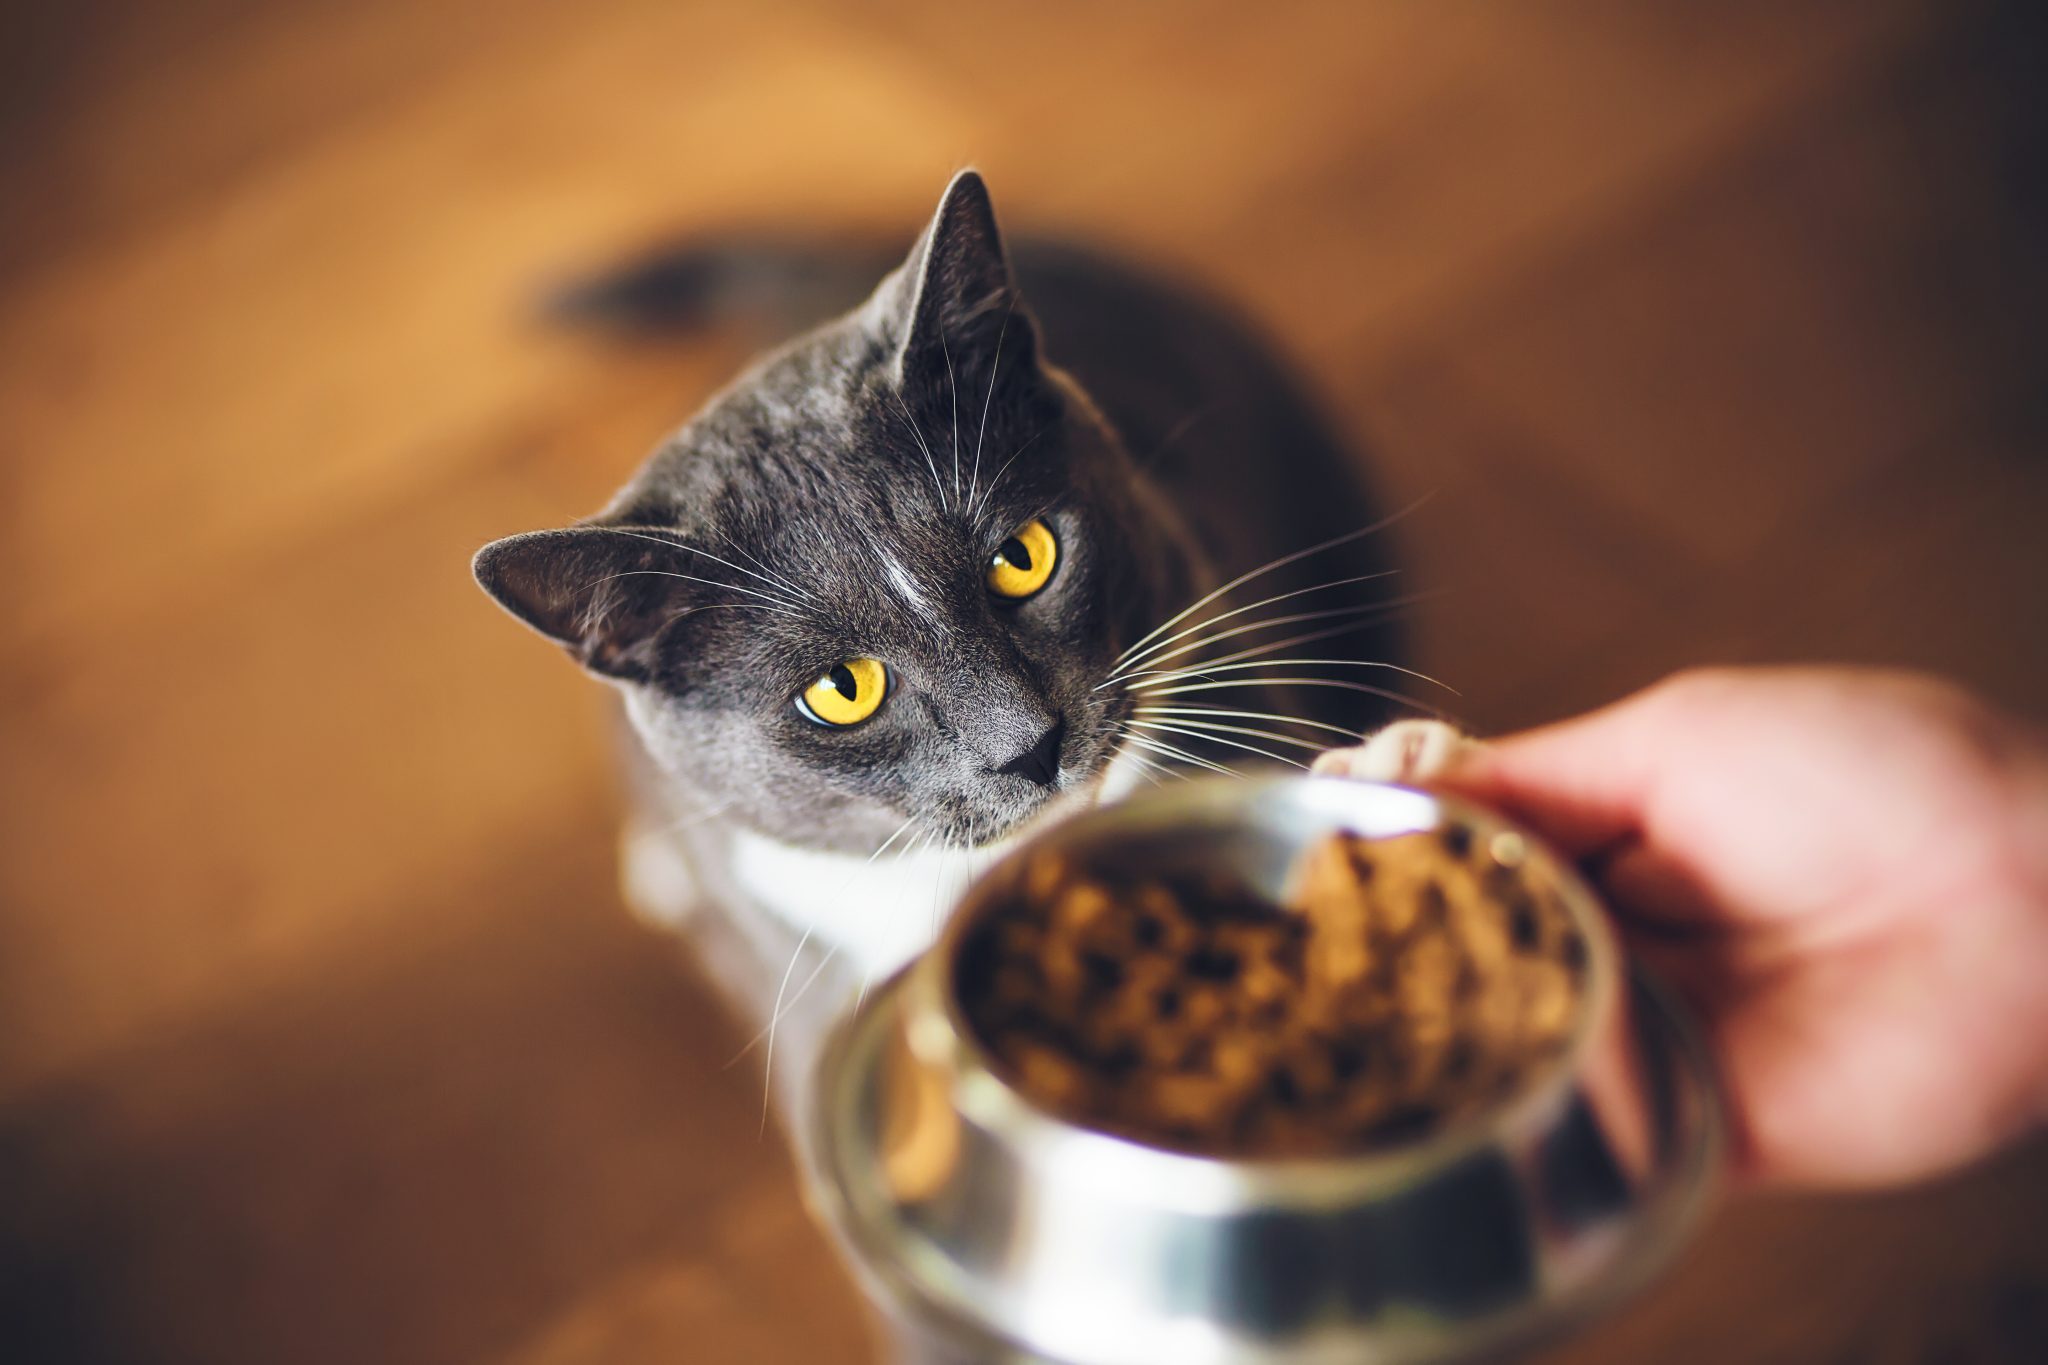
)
(995, 1231)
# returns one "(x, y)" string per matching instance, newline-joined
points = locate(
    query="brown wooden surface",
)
(322, 1035)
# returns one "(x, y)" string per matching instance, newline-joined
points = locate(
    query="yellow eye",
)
(847, 693)
(1025, 562)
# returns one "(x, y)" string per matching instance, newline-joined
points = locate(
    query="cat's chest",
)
(875, 914)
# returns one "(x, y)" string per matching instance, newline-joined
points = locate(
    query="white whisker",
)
(1162, 747)
(776, 603)
(774, 1018)
(1148, 766)
(1209, 670)
(911, 422)
(726, 539)
(1384, 612)
(1279, 563)
(1218, 739)
(1294, 618)
(1366, 688)
(995, 368)
(1252, 731)
(1216, 620)
(1197, 710)
(691, 610)
(696, 818)
(1174, 433)
(892, 839)
(997, 480)
(781, 596)
(954, 385)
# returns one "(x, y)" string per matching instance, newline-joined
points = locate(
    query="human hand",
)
(1846, 872)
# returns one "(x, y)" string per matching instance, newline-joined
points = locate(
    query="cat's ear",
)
(963, 307)
(603, 593)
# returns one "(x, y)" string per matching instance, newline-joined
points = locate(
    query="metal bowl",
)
(992, 1230)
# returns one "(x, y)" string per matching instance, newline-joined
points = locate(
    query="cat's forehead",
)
(842, 456)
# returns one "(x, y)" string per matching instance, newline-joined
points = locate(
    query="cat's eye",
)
(847, 693)
(1025, 561)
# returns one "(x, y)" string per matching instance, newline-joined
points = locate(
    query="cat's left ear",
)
(965, 312)
(603, 593)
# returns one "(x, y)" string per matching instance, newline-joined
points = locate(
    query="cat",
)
(938, 571)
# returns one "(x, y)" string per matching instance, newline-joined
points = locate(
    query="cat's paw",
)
(1408, 751)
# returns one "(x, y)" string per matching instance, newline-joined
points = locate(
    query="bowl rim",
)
(1215, 1180)
(1678, 1192)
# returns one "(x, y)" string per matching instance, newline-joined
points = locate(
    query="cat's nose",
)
(1040, 762)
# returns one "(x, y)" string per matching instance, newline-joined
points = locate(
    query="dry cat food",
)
(1405, 983)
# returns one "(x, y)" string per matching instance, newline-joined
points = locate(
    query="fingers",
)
(1410, 751)
(1581, 783)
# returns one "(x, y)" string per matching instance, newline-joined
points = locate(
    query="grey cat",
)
(917, 580)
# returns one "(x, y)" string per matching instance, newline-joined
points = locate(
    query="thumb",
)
(1583, 784)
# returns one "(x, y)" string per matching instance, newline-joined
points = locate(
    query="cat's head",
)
(880, 577)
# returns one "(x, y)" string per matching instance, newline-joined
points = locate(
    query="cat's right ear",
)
(601, 592)
(963, 313)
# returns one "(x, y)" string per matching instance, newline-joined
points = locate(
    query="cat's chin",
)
(1115, 776)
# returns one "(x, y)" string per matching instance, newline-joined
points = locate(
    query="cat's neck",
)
(879, 913)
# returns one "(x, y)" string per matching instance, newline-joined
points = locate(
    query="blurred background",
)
(323, 1036)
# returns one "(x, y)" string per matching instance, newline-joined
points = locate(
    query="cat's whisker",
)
(696, 607)
(802, 594)
(1151, 725)
(1228, 713)
(911, 422)
(892, 839)
(1210, 670)
(1174, 433)
(781, 594)
(954, 385)
(997, 480)
(782, 1010)
(1253, 731)
(1147, 766)
(775, 1017)
(1293, 618)
(1267, 568)
(794, 1000)
(1385, 611)
(696, 818)
(1367, 618)
(1162, 747)
(1270, 601)
(988, 400)
(774, 603)
(1345, 685)
(1146, 770)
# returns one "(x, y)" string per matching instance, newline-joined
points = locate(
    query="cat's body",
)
(853, 497)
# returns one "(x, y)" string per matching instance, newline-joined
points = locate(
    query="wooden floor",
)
(323, 1037)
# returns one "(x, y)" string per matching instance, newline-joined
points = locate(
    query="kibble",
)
(1402, 985)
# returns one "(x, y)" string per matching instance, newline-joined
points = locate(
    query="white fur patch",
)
(880, 913)
(906, 587)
